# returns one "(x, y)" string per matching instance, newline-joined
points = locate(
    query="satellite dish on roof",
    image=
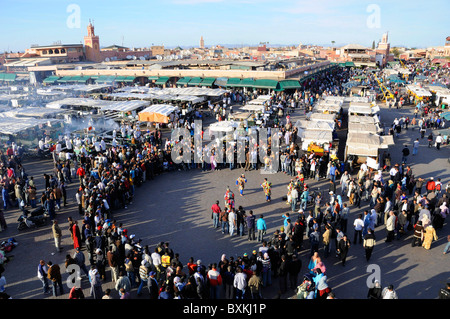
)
(129, 57)
(134, 57)
(107, 60)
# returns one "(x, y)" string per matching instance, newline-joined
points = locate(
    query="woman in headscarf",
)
(444, 210)
(313, 262)
(429, 235)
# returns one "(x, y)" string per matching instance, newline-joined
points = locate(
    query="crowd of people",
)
(108, 176)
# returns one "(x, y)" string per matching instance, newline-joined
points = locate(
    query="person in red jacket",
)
(430, 186)
(81, 173)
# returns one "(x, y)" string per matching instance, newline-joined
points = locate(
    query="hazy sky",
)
(181, 22)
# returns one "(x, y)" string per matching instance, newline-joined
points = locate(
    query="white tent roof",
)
(164, 109)
(317, 136)
(79, 102)
(373, 128)
(367, 144)
(253, 107)
(315, 125)
(14, 125)
(223, 126)
(364, 119)
(125, 106)
(332, 108)
(322, 117)
(417, 90)
(363, 108)
(32, 112)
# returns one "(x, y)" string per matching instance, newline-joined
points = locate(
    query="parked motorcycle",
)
(36, 218)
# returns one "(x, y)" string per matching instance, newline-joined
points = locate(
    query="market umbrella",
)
(446, 116)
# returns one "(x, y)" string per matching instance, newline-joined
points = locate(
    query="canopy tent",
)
(221, 82)
(224, 126)
(373, 128)
(195, 81)
(363, 119)
(106, 79)
(162, 80)
(247, 82)
(208, 82)
(317, 137)
(363, 108)
(315, 125)
(125, 106)
(322, 117)
(31, 112)
(51, 79)
(13, 125)
(183, 81)
(233, 82)
(266, 84)
(240, 116)
(327, 108)
(367, 144)
(158, 113)
(334, 99)
(69, 102)
(7, 77)
(253, 107)
(418, 91)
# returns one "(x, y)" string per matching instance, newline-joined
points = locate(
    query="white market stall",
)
(315, 125)
(373, 128)
(316, 137)
(363, 108)
(366, 144)
(157, 113)
(321, 117)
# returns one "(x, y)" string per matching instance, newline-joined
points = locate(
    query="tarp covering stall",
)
(158, 113)
(315, 125)
(367, 144)
(125, 106)
(363, 108)
(322, 117)
(373, 128)
(224, 126)
(69, 102)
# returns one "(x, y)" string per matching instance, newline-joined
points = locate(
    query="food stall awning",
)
(322, 117)
(8, 77)
(233, 82)
(266, 84)
(105, 79)
(195, 81)
(162, 80)
(289, 84)
(158, 113)
(247, 82)
(208, 81)
(125, 106)
(315, 125)
(183, 81)
(83, 79)
(367, 144)
(221, 81)
(223, 126)
(51, 79)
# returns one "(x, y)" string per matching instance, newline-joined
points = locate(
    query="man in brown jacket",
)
(112, 262)
(54, 274)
